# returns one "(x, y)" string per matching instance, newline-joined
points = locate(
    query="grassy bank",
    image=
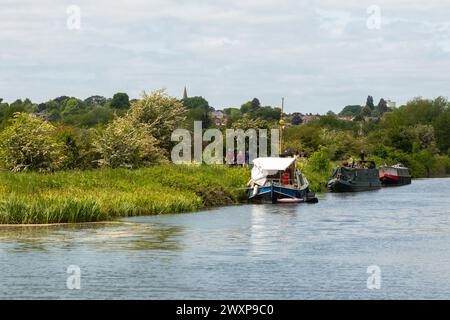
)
(100, 195)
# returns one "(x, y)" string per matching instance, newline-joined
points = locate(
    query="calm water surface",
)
(246, 252)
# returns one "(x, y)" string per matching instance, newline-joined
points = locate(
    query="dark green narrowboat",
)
(364, 176)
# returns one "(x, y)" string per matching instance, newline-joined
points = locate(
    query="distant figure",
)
(240, 158)
(230, 157)
(287, 153)
(362, 155)
(302, 153)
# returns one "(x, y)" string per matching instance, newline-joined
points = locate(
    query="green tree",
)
(120, 101)
(403, 139)
(382, 106)
(246, 122)
(233, 115)
(369, 103)
(197, 110)
(425, 137)
(95, 101)
(17, 106)
(442, 130)
(255, 104)
(266, 113)
(350, 111)
(72, 106)
(320, 161)
(252, 105)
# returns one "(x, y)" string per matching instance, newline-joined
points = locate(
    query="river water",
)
(287, 251)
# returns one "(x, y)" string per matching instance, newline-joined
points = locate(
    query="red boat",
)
(397, 175)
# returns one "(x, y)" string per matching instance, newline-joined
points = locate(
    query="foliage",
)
(124, 145)
(416, 134)
(78, 147)
(233, 115)
(29, 143)
(247, 122)
(266, 113)
(316, 168)
(320, 160)
(197, 110)
(252, 105)
(7, 112)
(350, 111)
(369, 103)
(120, 101)
(159, 114)
(95, 101)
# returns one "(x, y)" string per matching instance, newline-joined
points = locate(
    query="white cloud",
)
(318, 54)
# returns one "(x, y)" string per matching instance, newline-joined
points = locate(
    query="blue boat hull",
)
(274, 192)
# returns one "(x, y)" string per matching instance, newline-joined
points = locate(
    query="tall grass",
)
(99, 195)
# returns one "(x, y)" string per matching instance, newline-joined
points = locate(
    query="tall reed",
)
(99, 195)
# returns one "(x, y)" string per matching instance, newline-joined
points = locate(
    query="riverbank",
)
(103, 195)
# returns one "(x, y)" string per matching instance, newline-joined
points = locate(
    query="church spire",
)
(185, 93)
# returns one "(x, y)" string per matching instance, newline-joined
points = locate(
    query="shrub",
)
(29, 143)
(122, 144)
(159, 114)
(320, 161)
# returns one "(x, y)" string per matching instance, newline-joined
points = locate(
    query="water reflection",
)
(270, 225)
(107, 236)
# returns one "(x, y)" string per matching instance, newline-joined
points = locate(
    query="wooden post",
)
(281, 127)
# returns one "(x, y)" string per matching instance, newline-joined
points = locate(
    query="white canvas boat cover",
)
(263, 167)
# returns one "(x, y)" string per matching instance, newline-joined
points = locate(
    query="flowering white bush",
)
(160, 114)
(29, 143)
(122, 144)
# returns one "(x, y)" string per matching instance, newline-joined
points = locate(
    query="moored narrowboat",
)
(364, 176)
(277, 180)
(397, 175)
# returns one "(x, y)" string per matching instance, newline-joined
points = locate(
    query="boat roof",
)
(273, 163)
(396, 166)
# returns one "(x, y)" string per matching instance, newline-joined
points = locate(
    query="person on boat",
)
(285, 178)
(362, 155)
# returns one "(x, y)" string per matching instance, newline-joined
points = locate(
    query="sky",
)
(320, 55)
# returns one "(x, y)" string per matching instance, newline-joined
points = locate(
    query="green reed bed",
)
(99, 195)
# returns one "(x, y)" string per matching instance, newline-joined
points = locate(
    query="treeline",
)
(416, 135)
(139, 137)
(97, 111)
(69, 133)
(66, 110)
(359, 113)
